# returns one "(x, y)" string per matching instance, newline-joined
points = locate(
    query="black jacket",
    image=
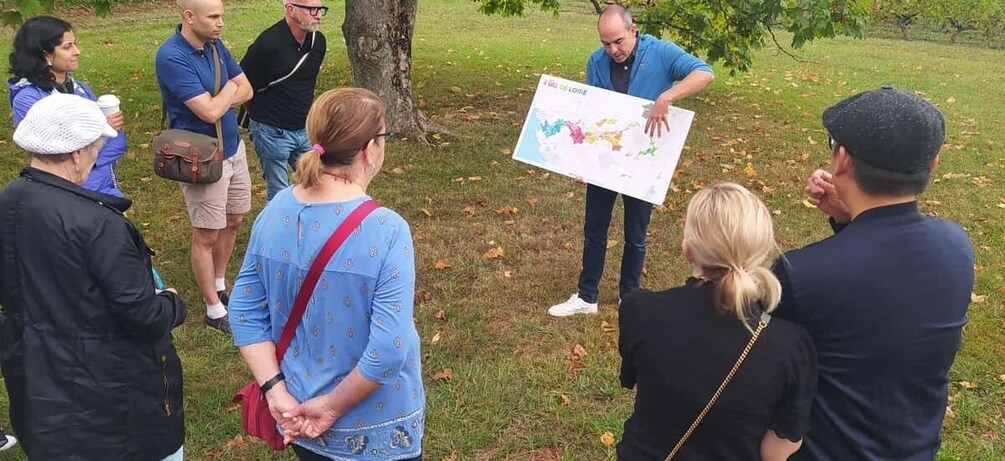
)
(85, 343)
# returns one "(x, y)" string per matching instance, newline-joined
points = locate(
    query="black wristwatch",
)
(270, 383)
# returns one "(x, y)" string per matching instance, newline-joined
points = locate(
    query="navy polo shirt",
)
(885, 300)
(184, 72)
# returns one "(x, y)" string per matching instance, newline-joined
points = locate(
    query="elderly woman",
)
(678, 346)
(85, 342)
(44, 57)
(350, 384)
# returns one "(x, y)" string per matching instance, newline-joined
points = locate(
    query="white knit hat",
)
(62, 124)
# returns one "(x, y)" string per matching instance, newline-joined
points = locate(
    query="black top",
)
(676, 349)
(620, 73)
(85, 345)
(885, 300)
(272, 56)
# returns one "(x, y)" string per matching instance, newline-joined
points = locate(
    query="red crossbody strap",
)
(310, 282)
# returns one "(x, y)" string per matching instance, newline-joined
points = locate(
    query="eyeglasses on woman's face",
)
(389, 134)
(312, 10)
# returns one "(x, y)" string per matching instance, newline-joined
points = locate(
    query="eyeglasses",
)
(831, 142)
(389, 134)
(312, 10)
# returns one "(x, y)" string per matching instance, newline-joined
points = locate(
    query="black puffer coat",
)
(85, 344)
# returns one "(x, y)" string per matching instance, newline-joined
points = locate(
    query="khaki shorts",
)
(209, 204)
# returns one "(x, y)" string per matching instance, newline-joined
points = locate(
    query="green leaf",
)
(11, 18)
(102, 8)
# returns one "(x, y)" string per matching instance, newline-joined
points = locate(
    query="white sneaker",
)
(575, 305)
(7, 441)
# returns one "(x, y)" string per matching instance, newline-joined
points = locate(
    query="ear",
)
(633, 30)
(934, 164)
(843, 163)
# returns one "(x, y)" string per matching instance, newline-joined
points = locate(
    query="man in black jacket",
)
(885, 298)
(85, 342)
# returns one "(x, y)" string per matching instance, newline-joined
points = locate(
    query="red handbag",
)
(256, 419)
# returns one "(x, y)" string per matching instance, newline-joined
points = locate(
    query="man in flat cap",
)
(885, 298)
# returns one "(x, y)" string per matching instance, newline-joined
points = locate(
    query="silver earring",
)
(48, 63)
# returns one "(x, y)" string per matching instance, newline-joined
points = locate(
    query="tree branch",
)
(782, 48)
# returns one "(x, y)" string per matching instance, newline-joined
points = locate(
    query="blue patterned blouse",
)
(359, 317)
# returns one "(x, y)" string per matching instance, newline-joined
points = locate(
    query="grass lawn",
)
(517, 388)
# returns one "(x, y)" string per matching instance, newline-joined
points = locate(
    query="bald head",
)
(197, 5)
(617, 32)
(613, 13)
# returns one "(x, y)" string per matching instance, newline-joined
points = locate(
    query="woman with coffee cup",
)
(43, 60)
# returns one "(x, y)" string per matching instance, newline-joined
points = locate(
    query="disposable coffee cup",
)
(109, 104)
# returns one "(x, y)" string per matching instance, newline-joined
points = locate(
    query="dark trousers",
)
(306, 455)
(599, 206)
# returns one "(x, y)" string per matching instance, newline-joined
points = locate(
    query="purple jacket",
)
(23, 95)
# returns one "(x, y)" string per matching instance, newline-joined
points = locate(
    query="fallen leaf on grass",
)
(532, 201)
(233, 408)
(977, 299)
(441, 264)
(423, 296)
(494, 253)
(447, 373)
(611, 244)
(441, 315)
(508, 274)
(506, 210)
(565, 400)
(749, 171)
(451, 457)
(607, 327)
(398, 170)
(505, 152)
(812, 142)
(968, 385)
(569, 194)
(808, 204)
(607, 438)
(991, 434)
(468, 210)
(237, 442)
(579, 351)
(426, 212)
(949, 412)
(436, 338)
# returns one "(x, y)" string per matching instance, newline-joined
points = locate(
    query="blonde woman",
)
(678, 345)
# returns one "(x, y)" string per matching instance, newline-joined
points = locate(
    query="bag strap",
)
(765, 318)
(311, 280)
(295, 67)
(216, 87)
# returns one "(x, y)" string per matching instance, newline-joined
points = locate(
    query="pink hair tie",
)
(317, 148)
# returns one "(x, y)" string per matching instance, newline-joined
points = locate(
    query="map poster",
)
(598, 136)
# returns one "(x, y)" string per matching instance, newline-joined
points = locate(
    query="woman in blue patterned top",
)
(353, 381)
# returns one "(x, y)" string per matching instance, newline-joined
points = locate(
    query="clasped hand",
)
(820, 191)
(309, 419)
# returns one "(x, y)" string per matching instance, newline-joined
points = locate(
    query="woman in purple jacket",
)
(44, 57)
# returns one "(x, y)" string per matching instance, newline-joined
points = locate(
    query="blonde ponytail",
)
(730, 238)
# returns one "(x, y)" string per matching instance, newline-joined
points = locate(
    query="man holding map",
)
(639, 65)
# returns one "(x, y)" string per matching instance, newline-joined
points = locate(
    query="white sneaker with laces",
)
(575, 305)
(8, 441)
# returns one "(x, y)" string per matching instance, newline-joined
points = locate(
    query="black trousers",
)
(306, 455)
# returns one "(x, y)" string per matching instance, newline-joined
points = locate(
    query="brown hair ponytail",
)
(342, 122)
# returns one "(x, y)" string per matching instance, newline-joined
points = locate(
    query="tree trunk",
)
(378, 36)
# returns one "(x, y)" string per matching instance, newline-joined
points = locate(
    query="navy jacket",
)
(885, 300)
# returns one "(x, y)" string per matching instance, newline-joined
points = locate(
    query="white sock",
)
(216, 311)
(221, 284)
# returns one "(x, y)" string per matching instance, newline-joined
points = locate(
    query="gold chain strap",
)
(765, 318)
